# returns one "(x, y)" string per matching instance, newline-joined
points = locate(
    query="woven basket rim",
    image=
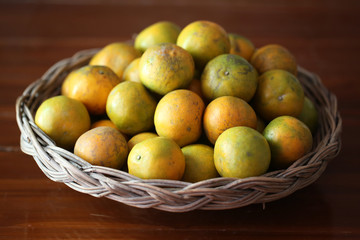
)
(60, 165)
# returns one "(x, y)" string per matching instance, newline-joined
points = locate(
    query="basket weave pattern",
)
(168, 195)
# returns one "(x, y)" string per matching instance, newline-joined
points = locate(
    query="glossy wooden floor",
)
(323, 35)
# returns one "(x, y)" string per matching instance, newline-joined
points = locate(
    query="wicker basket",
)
(168, 195)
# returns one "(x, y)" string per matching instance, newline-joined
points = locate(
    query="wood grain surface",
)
(323, 35)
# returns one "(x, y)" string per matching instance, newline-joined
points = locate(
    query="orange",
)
(204, 40)
(260, 126)
(106, 123)
(178, 116)
(241, 46)
(90, 85)
(63, 119)
(131, 108)
(309, 115)
(160, 32)
(103, 123)
(131, 72)
(229, 75)
(157, 158)
(116, 56)
(166, 67)
(241, 152)
(289, 140)
(195, 86)
(273, 56)
(139, 138)
(279, 93)
(103, 146)
(199, 163)
(226, 112)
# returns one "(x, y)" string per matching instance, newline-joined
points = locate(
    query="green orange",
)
(278, 93)
(199, 163)
(241, 152)
(131, 108)
(229, 75)
(309, 115)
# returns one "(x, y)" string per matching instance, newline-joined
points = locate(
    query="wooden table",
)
(323, 35)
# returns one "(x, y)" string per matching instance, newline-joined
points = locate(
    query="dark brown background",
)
(323, 35)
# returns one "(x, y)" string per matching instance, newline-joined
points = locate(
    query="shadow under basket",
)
(63, 166)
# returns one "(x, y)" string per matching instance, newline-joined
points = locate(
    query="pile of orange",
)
(188, 104)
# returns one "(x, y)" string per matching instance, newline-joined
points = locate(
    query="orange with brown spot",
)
(166, 67)
(103, 146)
(278, 93)
(178, 116)
(241, 46)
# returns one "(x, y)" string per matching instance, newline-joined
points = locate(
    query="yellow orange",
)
(178, 116)
(166, 67)
(226, 112)
(139, 138)
(204, 40)
(91, 85)
(157, 158)
(131, 72)
(117, 56)
(63, 119)
(159, 32)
